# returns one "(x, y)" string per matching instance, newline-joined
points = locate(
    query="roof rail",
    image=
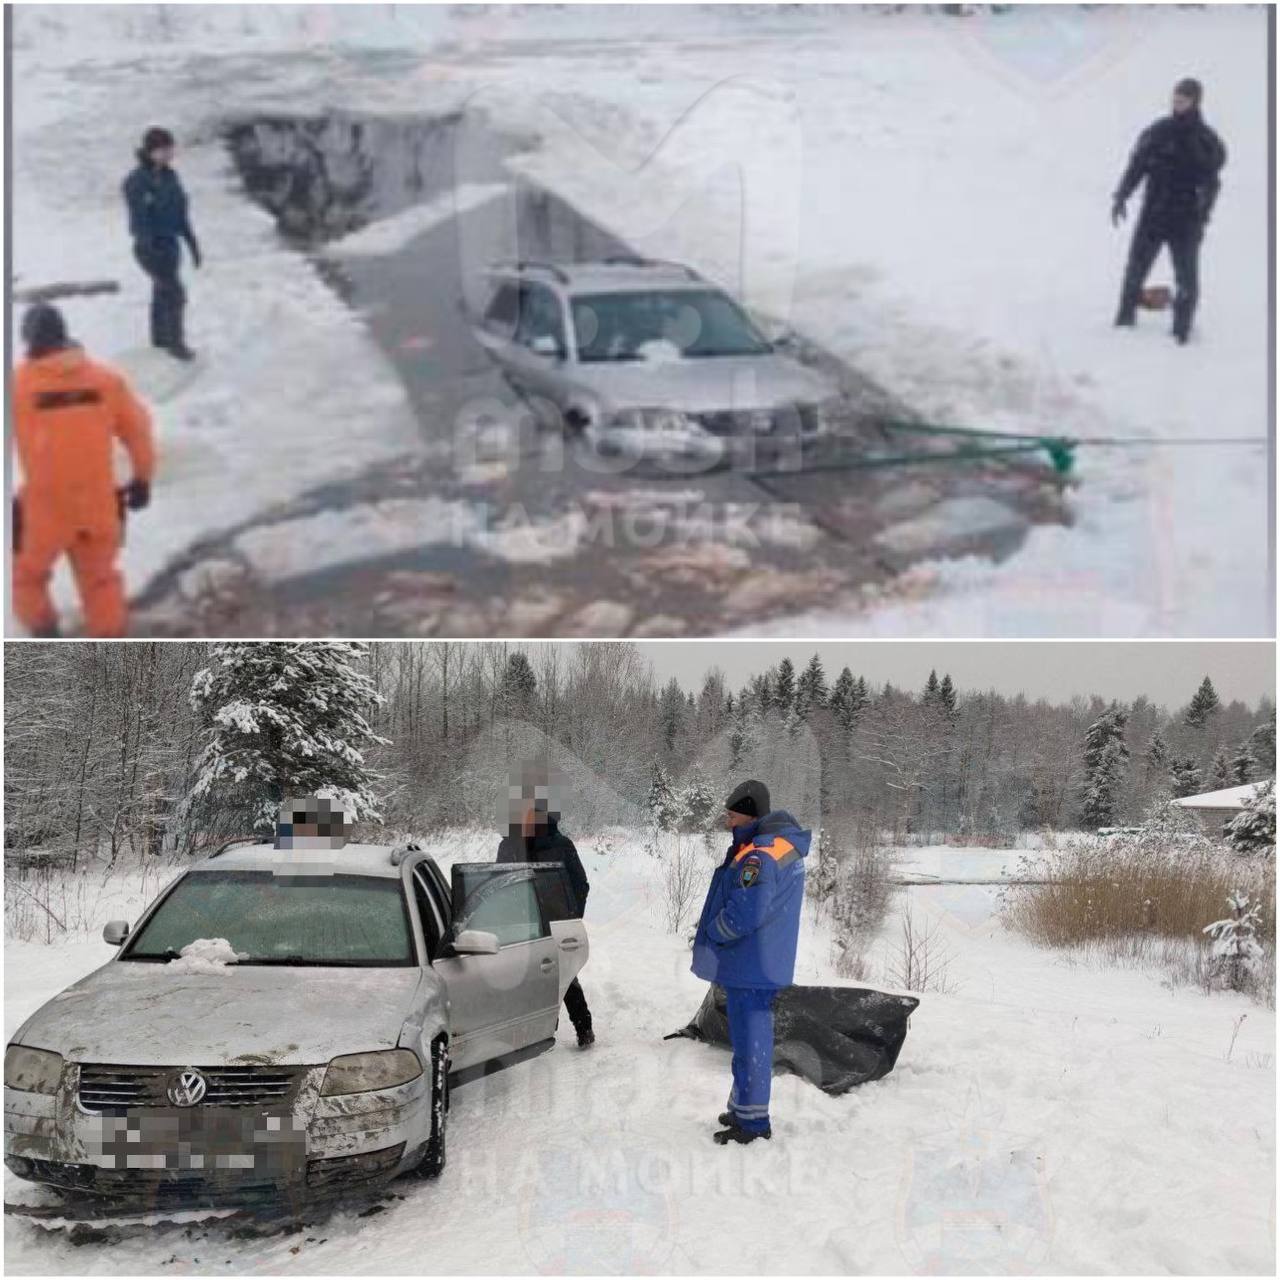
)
(529, 264)
(235, 842)
(635, 260)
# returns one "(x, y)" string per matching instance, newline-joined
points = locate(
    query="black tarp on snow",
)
(836, 1037)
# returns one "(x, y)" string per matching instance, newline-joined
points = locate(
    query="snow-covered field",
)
(926, 196)
(1044, 1117)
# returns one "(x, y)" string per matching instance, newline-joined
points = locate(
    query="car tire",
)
(433, 1158)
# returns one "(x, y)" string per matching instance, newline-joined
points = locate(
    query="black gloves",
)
(1117, 210)
(137, 494)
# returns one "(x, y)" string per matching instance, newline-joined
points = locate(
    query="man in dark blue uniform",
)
(746, 942)
(158, 220)
(1180, 159)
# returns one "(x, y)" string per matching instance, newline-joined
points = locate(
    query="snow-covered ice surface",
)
(926, 196)
(1044, 1117)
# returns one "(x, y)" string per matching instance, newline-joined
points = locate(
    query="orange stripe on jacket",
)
(778, 850)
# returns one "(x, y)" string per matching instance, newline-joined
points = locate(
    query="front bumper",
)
(704, 441)
(305, 1148)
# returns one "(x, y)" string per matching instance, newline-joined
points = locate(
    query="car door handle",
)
(547, 964)
(569, 944)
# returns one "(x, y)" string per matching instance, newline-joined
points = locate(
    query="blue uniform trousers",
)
(750, 1012)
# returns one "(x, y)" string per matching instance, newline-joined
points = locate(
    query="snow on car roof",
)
(351, 860)
(614, 274)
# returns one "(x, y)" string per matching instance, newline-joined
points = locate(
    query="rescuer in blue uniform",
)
(746, 942)
(158, 220)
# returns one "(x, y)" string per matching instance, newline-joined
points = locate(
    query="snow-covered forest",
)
(107, 746)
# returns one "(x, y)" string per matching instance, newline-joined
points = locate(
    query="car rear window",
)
(268, 919)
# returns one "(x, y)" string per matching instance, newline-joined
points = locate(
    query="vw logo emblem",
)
(186, 1088)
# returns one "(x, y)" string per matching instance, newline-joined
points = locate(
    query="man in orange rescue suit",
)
(68, 412)
(746, 942)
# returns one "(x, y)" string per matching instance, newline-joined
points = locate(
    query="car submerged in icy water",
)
(304, 1046)
(647, 358)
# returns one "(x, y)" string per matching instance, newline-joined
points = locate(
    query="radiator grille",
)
(109, 1088)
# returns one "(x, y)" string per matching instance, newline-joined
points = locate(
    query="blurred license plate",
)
(202, 1138)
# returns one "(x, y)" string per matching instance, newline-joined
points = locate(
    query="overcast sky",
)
(1167, 672)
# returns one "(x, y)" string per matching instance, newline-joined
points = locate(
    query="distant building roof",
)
(1227, 798)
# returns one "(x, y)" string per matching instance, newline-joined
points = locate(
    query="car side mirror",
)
(115, 932)
(545, 345)
(476, 942)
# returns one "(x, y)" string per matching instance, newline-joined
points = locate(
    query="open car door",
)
(503, 1006)
(556, 897)
(473, 882)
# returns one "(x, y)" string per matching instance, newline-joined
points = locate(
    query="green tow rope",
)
(1061, 450)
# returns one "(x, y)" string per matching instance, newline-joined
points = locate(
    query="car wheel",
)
(433, 1158)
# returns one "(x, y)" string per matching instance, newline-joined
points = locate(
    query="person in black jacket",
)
(1180, 159)
(158, 220)
(534, 835)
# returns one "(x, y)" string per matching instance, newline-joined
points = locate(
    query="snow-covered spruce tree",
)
(947, 695)
(1262, 747)
(1202, 705)
(1220, 770)
(1236, 953)
(1243, 765)
(742, 734)
(811, 689)
(1184, 774)
(784, 685)
(697, 802)
(1253, 830)
(1106, 759)
(283, 719)
(660, 803)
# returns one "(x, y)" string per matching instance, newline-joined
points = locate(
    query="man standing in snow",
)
(534, 835)
(68, 414)
(1180, 158)
(158, 219)
(746, 942)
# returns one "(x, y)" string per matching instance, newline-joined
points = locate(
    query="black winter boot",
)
(734, 1134)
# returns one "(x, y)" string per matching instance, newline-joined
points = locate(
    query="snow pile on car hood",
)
(205, 955)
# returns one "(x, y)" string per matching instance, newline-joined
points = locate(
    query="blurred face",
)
(163, 155)
(1182, 103)
(531, 819)
(734, 819)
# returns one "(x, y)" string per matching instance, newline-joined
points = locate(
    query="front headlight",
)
(32, 1070)
(361, 1072)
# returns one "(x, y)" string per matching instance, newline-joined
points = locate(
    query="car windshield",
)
(651, 324)
(290, 920)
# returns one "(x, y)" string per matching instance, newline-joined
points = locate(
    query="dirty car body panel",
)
(181, 1083)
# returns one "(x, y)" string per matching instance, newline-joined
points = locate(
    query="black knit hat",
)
(44, 329)
(1190, 87)
(750, 798)
(154, 139)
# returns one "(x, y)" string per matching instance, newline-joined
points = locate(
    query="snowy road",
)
(1044, 1117)
(305, 432)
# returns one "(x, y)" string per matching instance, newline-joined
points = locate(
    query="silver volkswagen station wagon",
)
(284, 1026)
(643, 356)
